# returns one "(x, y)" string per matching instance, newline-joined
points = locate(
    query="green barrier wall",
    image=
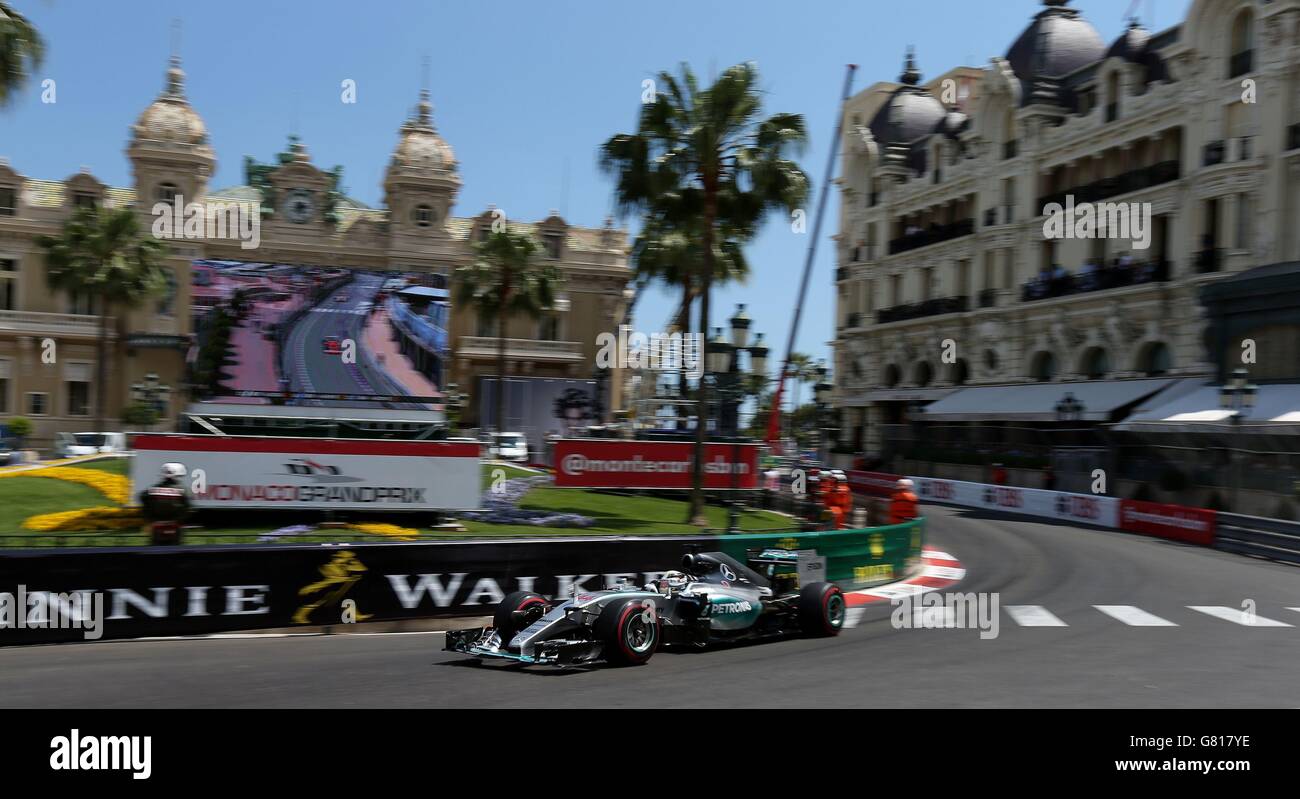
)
(854, 558)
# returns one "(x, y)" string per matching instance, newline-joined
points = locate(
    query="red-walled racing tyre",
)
(629, 632)
(821, 609)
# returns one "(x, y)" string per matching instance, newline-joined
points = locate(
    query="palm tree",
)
(21, 52)
(801, 370)
(505, 280)
(101, 253)
(705, 165)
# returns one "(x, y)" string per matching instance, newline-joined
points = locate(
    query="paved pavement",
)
(1087, 618)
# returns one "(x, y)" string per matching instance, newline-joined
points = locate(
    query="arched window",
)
(959, 372)
(1112, 96)
(924, 373)
(1096, 363)
(1155, 360)
(891, 376)
(166, 192)
(1241, 57)
(1043, 367)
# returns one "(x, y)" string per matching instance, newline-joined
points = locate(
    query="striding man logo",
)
(338, 577)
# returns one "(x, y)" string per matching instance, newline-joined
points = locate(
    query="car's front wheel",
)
(629, 632)
(822, 609)
(505, 621)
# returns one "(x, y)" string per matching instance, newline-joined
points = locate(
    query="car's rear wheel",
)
(629, 632)
(505, 622)
(822, 609)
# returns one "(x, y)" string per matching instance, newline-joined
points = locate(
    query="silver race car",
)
(713, 597)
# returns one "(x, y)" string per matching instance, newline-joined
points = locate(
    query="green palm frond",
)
(22, 51)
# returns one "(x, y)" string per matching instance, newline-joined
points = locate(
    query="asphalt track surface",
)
(308, 366)
(1093, 661)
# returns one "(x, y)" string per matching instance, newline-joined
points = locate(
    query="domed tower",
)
(910, 113)
(421, 182)
(1056, 43)
(169, 149)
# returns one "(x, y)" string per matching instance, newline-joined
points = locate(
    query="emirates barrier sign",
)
(320, 474)
(610, 463)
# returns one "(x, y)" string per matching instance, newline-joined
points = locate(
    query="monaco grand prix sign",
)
(321, 474)
(611, 463)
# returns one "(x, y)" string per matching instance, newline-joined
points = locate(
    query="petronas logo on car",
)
(732, 607)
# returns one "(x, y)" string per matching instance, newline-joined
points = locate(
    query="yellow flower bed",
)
(101, 518)
(389, 530)
(114, 486)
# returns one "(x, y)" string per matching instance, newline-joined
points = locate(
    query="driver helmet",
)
(174, 471)
(674, 580)
(904, 483)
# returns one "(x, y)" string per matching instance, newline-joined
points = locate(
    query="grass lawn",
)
(22, 497)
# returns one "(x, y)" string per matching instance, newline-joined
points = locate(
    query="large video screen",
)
(314, 335)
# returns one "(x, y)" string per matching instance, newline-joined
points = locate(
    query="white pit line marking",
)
(1237, 616)
(1134, 616)
(1034, 616)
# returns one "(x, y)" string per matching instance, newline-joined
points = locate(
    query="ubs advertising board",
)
(610, 463)
(319, 474)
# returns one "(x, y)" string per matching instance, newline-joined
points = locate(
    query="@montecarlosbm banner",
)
(320, 474)
(606, 463)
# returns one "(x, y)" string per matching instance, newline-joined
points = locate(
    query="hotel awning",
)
(1036, 402)
(1277, 410)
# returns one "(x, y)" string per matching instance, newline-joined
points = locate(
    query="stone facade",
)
(941, 235)
(415, 231)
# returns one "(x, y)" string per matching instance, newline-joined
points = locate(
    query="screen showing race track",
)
(316, 335)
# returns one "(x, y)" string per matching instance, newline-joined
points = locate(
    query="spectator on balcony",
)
(1090, 279)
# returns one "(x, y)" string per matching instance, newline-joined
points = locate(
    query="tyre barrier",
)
(131, 592)
(1274, 539)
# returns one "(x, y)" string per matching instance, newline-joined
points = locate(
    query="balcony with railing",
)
(1101, 278)
(1134, 180)
(933, 235)
(935, 307)
(1241, 63)
(485, 347)
(38, 323)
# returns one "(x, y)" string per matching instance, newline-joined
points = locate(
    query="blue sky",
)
(523, 91)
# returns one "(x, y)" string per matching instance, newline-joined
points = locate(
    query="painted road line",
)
(1134, 616)
(1034, 616)
(1238, 616)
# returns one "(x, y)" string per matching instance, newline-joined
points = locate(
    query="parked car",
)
(508, 447)
(71, 445)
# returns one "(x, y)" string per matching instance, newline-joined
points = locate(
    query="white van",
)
(71, 445)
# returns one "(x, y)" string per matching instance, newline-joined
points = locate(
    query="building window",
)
(1044, 367)
(549, 328)
(8, 284)
(166, 193)
(38, 403)
(487, 327)
(78, 398)
(8, 201)
(6, 385)
(1242, 56)
(423, 215)
(85, 200)
(552, 243)
(81, 304)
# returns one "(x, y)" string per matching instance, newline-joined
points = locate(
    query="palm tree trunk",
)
(697, 516)
(683, 324)
(501, 349)
(101, 369)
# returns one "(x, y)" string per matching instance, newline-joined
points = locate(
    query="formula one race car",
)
(713, 598)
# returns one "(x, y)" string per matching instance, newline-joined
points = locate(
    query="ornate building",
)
(305, 219)
(947, 285)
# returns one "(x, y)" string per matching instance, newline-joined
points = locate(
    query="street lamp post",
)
(151, 391)
(1237, 395)
(732, 385)
(453, 402)
(1068, 409)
